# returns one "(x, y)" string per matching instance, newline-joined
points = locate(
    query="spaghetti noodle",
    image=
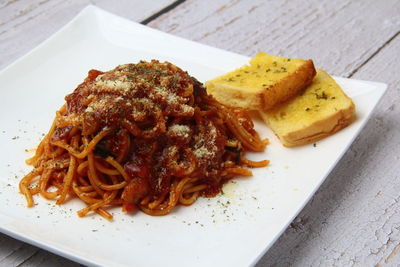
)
(142, 136)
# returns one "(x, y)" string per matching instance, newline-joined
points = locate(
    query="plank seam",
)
(7, 3)
(25, 20)
(30, 257)
(162, 11)
(373, 54)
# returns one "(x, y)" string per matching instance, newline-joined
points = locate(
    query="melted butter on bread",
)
(262, 72)
(321, 110)
(263, 84)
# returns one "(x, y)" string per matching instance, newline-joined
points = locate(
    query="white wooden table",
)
(354, 218)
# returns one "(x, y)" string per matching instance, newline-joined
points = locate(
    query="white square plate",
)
(233, 229)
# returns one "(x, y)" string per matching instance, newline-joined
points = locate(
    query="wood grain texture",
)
(25, 24)
(338, 35)
(354, 219)
(16, 253)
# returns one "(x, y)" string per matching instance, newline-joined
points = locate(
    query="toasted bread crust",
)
(320, 129)
(235, 97)
(288, 87)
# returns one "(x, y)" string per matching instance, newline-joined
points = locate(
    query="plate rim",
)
(380, 88)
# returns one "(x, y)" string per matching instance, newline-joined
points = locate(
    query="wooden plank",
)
(25, 24)
(16, 253)
(46, 259)
(338, 35)
(19, 255)
(354, 218)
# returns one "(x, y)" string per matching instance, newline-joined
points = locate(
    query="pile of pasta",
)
(142, 136)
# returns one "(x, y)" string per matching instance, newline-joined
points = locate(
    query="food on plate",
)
(301, 105)
(321, 110)
(143, 136)
(263, 84)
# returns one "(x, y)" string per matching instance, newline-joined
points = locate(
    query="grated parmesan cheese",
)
(187, 108)
(115, 85)
(203, 152)
(205, 144)
(89, 109)
(179, 130)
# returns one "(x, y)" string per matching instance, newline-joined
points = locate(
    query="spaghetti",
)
(142, 136)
